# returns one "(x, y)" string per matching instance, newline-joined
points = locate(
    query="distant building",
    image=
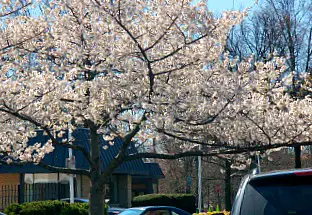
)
(35, 183)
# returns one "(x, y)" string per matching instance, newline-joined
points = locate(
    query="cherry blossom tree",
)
(281, 26)
(135, 70)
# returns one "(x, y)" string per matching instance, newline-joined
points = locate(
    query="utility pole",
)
(259, 164)
(154, 148)
(200, 181)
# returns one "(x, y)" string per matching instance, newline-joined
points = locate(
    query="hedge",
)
(47, 208)
(185, 202)
(76, 209)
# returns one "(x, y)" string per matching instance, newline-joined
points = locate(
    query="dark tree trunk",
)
(297, 156)
(228, 188)
(96, 190)
(96, 200)
(253, 164)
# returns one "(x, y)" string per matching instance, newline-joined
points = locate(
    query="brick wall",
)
(9, 179)
(8, 189)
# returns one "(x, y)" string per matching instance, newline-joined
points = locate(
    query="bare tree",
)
(281, 27)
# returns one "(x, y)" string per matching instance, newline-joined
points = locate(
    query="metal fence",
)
(8, 195)
(32, 192)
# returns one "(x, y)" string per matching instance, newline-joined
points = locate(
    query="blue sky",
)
(221, 5)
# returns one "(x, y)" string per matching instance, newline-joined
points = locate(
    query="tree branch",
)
(178, 49)
(64, 170)
(163, 35)
(48, 131)
(177, 68)
(258, 126)
(19, 43)
(194, 140)
(49, 167)
(238, 150)
(210, 119)
(119, 159)
(16, 10)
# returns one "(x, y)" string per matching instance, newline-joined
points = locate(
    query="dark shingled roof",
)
(155, 170)
(82, 137)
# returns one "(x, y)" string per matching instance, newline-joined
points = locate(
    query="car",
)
(115, 211)
(154, 210)
(76, 200)
(111, 210)
(275, 193)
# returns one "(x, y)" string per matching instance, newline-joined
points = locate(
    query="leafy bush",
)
(44, 208)
(13, 209)
(76, 209)
(182, 201)
(47, 208)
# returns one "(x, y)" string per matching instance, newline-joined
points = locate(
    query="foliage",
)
(47, 208)
(76, 209)
(13, 209)
(218, 208)
(182, 201)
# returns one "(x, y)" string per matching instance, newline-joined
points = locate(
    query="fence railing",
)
(32, 192)
(8, 195)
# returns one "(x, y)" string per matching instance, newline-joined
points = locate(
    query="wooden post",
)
(58, 186)
(228, 188)
(21, 189)
(297, 156)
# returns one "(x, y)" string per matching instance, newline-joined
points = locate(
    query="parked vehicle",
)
(115, 211)
(275, 193)
(76, 200)
(154, 210)
(111, 210)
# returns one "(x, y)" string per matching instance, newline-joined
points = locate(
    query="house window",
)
(46, 178)
(46, 186)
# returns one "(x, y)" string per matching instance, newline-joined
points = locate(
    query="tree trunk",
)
(297, 156)
(96, 189)
(228, 188)
(253, 164)
(96, 200)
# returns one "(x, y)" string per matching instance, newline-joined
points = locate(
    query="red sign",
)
(218, 188)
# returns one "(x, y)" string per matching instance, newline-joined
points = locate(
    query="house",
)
(147, 184)
(33, 183)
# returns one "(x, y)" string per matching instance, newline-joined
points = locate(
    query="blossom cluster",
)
(109, 62)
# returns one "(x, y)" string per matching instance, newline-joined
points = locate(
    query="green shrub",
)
(13, 209)
(47, 208)
(182, 201)
(76, 209)
(43, 208)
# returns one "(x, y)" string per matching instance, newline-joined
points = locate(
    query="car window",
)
(239, 196)
(174, 213)
(278, 196)
(158, 212)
